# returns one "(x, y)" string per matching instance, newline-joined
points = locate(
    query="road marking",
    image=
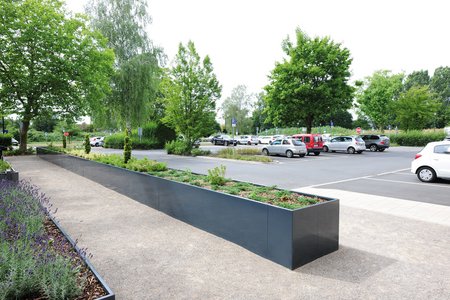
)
(391, 172)
(338, 181)
(415, 183)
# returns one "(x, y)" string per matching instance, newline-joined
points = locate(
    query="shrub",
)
(115, 141)
(5, 140)
(3, 166)
(216, 176)
(145, 165)
(200, 152)
(87, 144)
(178, 147)
(127, 149)
(416, 138)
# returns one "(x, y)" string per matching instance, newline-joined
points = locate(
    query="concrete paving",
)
(389, 248)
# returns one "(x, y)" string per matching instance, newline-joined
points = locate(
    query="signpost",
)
(233, 125)
(358, 130)
(140, 133)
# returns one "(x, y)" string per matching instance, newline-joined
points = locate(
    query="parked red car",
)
(313, 142)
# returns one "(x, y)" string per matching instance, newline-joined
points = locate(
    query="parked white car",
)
(285, 147)
(265, 139)
(432, 162)
(248, 140)
(349, 144)
(97, 141)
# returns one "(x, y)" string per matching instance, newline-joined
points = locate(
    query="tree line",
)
(104, 64)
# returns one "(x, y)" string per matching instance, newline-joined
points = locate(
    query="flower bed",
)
(37, 261)
(303, 229)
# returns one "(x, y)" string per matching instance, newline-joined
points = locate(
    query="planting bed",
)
(290, 237)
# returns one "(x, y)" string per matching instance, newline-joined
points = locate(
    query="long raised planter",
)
(291, 238)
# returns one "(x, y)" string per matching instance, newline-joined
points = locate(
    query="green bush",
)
(115, 141)
(3, 166)
(216, 176)
(416, 138)
(5, 139)
(87, 144)
(126, 149)
(200, 152)
(178, 147)
(145, 165)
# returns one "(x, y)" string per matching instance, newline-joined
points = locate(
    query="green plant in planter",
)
(3, 166)
(64, 142)
(127, 148)
(87, 144)
(216, 176)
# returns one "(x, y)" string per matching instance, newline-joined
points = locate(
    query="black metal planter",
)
(10, 175)
(291, 238)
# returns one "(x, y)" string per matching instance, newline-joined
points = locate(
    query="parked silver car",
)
(285, 147)
(349, 144)
(247, 140)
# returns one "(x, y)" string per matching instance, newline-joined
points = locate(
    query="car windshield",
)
(297, 143)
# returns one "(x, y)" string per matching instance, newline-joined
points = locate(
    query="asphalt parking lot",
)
(377, 173)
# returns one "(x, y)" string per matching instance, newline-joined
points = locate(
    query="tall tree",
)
(313, 80)
(415, 108)
(138, 71)
(377, 95)
(440, 85)
(50, 63)
(238, 106)
(190, 91)
(259, 114)
(416, 78)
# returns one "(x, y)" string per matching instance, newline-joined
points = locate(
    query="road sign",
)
(233, 122)
(66, 133)
(358, 130)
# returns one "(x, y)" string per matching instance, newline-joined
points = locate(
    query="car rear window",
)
(297, 142)
(358, 139)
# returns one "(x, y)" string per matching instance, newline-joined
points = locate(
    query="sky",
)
(243, 37)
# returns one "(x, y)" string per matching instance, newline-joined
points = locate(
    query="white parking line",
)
(391, 172)
(415, 183)
(338, 181)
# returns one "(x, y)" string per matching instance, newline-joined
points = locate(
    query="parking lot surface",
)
(376, 173)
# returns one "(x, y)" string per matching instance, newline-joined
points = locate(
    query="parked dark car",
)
(376, 142)
(223, 139)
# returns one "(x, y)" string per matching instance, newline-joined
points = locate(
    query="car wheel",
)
(426, 174)
(325, 148)
(351, 150)
(373, 148)
(381, 150)
(359, 152)
(289, 154)
(265, 152)
(96, 144)
(316, 153)
(302, 155)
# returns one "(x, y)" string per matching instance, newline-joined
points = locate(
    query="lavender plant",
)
(33, 264)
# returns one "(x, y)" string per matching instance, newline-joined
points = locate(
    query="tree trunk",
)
(23, 136)
(309, 122)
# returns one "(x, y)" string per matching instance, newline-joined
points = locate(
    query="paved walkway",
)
(389, 248)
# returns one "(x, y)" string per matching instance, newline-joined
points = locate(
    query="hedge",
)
(5, 139)
(416, 138)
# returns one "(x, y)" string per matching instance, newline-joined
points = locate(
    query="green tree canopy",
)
(190, 91)
(138, 72)
(416, 78)
(440, 85)
(376, 96)
(238, 106)
(259, 114)
(313, 80)
(49, 62)
(415, 108)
